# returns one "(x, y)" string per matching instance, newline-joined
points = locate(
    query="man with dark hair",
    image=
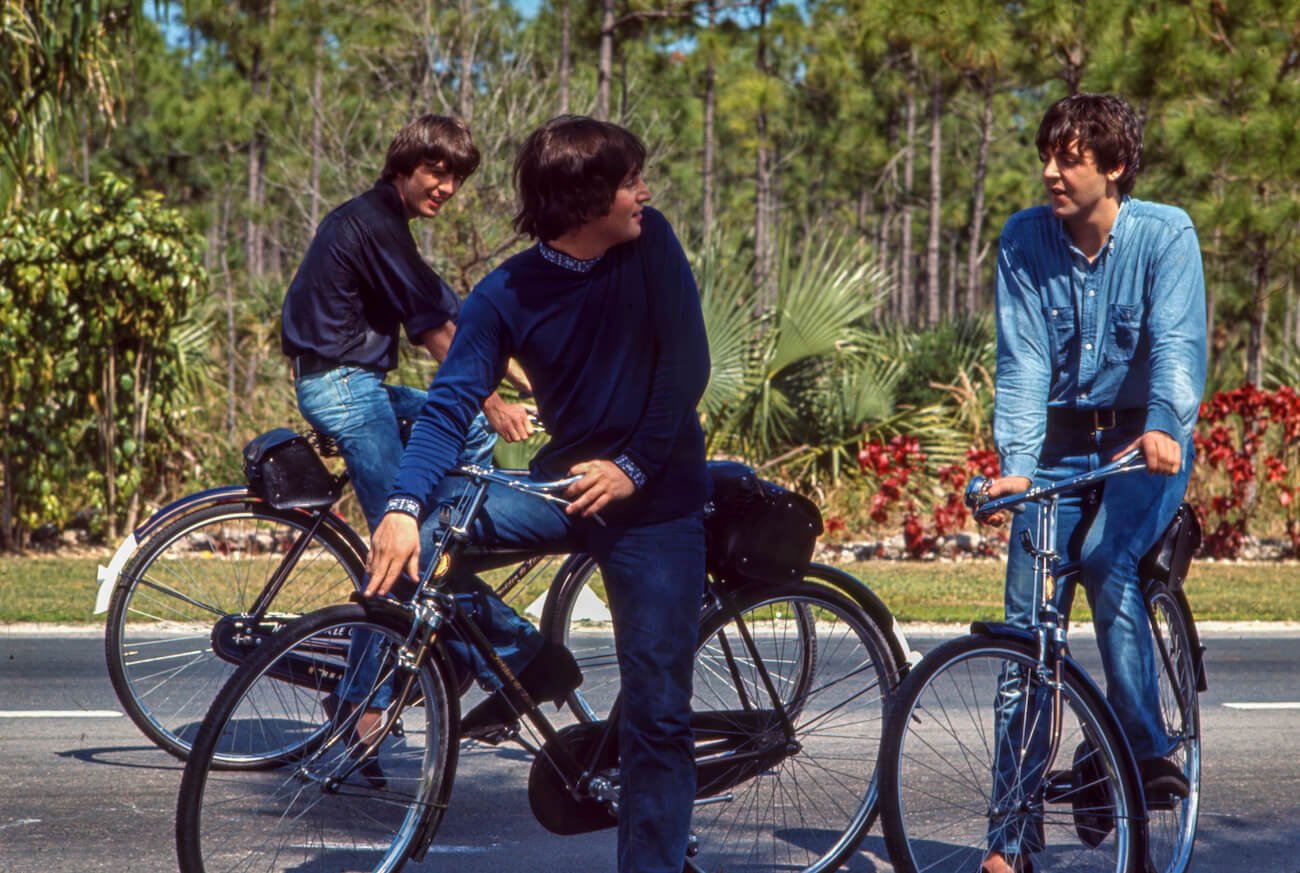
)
(1101, 349)
(361, 281)
(604, 314)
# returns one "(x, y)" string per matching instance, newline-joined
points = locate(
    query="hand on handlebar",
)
(1162, 452)
(1001, 487)
(394, 547)
(602, 483)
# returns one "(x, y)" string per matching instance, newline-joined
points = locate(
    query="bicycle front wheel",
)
(330, 805)
(1172, 820)
(985, 751)
(788, 709)
(212, 564)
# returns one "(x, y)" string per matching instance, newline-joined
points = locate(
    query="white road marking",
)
(59, 713)
(20, 822)
(1263, 705)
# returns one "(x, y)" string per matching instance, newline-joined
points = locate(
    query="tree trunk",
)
(8, 539)
(566, 60)
(933, 284)
(465, 95)
(977, 205)
(710, 107)
(905, 289)
(605, 64)
(885, 228)
(228, 285)
(764, 290)
(316, 147)
(108, 443)
(950, 295)
(1258, 319)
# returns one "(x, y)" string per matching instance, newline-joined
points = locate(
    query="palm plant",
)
(802, 384)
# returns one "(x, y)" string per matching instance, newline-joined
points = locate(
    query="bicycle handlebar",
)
(984, 508)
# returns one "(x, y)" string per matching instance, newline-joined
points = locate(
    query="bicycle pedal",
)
(495, 735)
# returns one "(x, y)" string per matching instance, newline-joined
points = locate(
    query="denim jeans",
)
(355, 407)
(1108, 537)
(360, 412)
(654, 578)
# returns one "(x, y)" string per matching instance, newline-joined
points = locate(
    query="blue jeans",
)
(654, 577)
(1108, 537)
(360, 412)
(355, 407)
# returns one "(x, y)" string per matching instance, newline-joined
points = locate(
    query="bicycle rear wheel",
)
(323, 808)
(1058, 788)
(208, 565)
(788, 787)
(1172, 820)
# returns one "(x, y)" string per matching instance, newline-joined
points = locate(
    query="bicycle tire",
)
(591, 641)
(803, 801)
(1172, 821)
(212, 562)
(319, 810)
(1080, 812)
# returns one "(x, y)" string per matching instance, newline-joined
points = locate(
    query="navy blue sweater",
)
(361, 279)
(618, 359)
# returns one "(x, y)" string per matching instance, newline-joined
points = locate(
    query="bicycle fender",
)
(107, 577)
(1003, 629)
(850, 585)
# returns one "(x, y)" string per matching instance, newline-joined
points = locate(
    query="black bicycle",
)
(1064, 781)
(199, 585)
(788, 699)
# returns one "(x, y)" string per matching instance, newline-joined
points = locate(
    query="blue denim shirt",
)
(1126, 331)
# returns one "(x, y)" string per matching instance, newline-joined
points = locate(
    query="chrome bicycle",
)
(1001, 738)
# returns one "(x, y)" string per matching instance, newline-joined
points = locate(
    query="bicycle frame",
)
(1050, 623)
(723, 761)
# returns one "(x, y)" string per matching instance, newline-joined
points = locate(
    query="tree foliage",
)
(94, 292)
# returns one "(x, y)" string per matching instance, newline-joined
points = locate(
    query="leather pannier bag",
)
(1168, 560)
(757, 530)
(283, 469)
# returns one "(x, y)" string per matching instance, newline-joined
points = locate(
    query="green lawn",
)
(63, 590)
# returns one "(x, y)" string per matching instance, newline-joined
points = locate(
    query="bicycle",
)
(789, 685)
(1066, 784)
(205, 579)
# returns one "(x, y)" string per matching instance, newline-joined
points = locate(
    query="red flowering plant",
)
(1246, 455)
(927, 504)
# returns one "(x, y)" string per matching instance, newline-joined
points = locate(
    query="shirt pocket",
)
(1124, 334)
(1061, 329)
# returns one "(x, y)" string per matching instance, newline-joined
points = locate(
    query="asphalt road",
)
(83, 791)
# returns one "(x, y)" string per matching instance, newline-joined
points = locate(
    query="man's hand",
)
(1008, 485)
(394, 547)
(1001, 488)
(509, 420)
(1162, 452)
(602, 483)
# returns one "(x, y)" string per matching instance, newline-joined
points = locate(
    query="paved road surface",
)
(88, 794)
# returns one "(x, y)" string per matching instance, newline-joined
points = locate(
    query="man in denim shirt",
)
(1101, 349)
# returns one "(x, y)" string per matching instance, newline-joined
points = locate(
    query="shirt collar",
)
(1112, 238)
(568, 262)
(390, 199)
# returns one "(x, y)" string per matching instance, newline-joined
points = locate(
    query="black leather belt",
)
(310, 362)
(1095, 419)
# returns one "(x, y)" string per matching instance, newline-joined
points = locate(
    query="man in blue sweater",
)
(604, 315)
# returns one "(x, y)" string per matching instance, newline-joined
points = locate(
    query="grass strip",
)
(62, 590)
